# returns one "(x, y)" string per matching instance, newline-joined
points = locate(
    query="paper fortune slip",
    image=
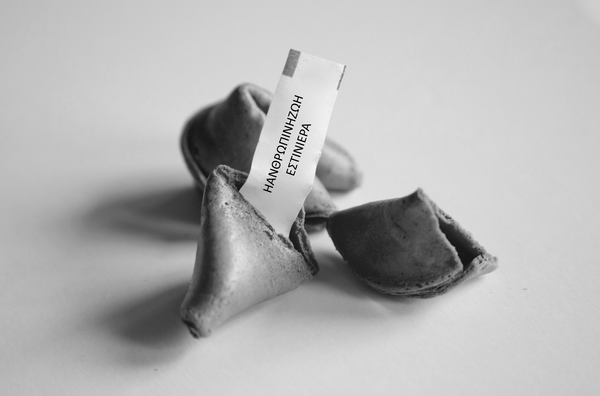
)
(290, 143)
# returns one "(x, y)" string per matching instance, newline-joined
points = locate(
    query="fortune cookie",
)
(407, 246)
(241, 260)
(227, 133)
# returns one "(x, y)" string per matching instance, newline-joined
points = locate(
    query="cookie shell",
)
(337, 169)
(240, 261)
(407, 246)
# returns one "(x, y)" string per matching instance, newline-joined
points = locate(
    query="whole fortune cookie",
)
(227, 133)
(241, 260)
(407, 246)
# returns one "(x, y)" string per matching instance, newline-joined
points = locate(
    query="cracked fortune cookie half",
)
(227, 133)
(407, 246)
(241, 260)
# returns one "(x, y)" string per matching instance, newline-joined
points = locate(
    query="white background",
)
(493, 108)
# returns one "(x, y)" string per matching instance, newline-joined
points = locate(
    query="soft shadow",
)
(351, 296)
(149, 328)
(169, 214)
(334, 272)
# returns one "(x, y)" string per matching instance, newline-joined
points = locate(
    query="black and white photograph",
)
(300, 198)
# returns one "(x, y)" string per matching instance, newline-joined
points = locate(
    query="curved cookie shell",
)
(227, 133)
(407, 246)
(337, 169)
(241, 260)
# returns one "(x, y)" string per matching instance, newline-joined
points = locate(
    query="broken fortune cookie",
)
(241, 260)
(407, 246)
(227, 133)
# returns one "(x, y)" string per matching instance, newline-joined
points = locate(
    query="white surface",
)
(492, 107)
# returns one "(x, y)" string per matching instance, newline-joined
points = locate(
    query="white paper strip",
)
(290, 143)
